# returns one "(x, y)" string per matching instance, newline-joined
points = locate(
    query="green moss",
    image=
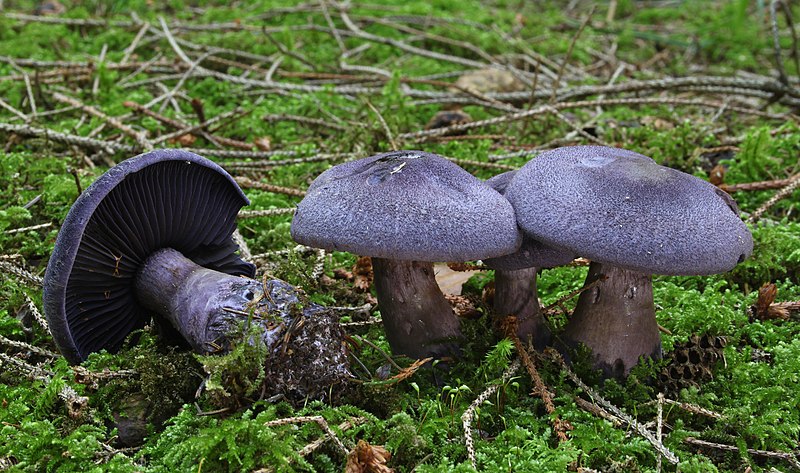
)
(418, 419)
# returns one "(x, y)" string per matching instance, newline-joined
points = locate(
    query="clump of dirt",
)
(287, 346)
(310, 360)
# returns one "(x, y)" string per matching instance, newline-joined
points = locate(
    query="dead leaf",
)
(449, 281)
(184, 140)
(717, 175)
(764, 308)
(263, 143)
(490, 80)
(340, 273)
(366, 458)
(488, 294)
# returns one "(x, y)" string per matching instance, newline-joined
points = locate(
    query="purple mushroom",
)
(632, 218)
(515, 278)
(408, 209)
(152, 238)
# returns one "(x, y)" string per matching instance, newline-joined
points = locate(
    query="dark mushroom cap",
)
(406, 205)
(619, 207)
(532, 253)
(161, 199)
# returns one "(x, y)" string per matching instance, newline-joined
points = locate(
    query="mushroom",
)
(408, 209)
(152, 237)
(632, 218)
(515, 278)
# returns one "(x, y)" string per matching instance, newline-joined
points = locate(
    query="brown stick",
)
(560, 427)
(139, 136)
(251, 184)
(181, 126)
(755, 186)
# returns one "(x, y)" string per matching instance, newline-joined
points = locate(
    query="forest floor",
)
(278, 91)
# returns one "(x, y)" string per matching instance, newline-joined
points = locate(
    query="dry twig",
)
(244, 214)
(671, 457)
(791, 458)
(139, 136)
(791, 185)
(22, 273)
(248, 183)
(560, 427)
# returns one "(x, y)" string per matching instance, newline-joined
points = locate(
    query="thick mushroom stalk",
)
(419, 321)
(515, 294)
(202, 304)
(207, 308)
(616, 319)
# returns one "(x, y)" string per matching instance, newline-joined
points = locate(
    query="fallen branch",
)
(543, 109)
(75, 403)
(755, 186)
(248, 183)
(792, 184)
(139, 136)
(633, 423)
(22, 273)
(329, 433)
(265, 213)
(791, 458)
(108, 147)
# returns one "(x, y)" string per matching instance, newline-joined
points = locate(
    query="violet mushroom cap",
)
(515, 278)
(408, 205)
(532, 252)
(161, 199)
(632, 218)
(407, 209)
(616, 206)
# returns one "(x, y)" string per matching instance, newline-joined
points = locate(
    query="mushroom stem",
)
(194, 299)
(616, 319)
(515, 294)
(418, 320)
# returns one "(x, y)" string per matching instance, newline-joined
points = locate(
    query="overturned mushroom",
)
(632, 218)
(152, 237)
(408, 209)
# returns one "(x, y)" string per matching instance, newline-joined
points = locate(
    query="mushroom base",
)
(515, 294)
(616, 319)
(208, 308)
(418, 320)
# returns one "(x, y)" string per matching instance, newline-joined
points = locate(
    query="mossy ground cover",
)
(291, 89)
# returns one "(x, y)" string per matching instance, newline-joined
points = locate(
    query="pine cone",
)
(691, 363)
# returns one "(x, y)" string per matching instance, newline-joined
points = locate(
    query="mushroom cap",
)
(161, 199)
(619, 207)
(405, 205)
(532, 253)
